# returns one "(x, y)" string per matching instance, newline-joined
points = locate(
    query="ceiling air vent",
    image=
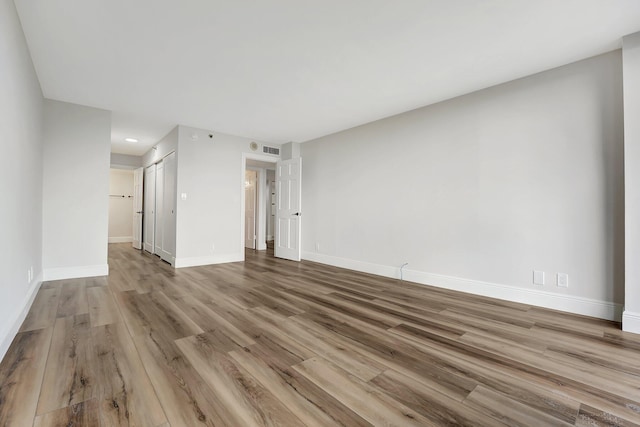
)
(271, 150)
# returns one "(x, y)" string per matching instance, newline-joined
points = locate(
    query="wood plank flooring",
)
(270, 342)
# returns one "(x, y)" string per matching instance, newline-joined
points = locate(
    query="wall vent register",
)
(271, 150)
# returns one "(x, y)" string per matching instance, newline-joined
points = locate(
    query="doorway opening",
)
(121, 205)
(258, 207)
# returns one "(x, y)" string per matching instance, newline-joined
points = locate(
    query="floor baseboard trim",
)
(10, 331)
(572, 304)
(125, 239)
(207, 260)
(631, 322)
(61, 273)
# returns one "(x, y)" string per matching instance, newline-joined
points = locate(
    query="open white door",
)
(288, 209)
(138, 175)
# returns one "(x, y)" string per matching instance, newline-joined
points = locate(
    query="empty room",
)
(322, 213)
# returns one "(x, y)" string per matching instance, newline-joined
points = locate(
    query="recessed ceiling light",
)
(131, 140)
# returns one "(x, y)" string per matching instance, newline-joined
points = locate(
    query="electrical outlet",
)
(213, 247)
(317, 246)
(538, 277)
(562, 280)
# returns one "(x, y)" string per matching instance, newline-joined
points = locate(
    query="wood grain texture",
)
(507, 410)
(81, 414)
(69, 376)
(154, 312)
(185, 398)
(125, 394)
(21, 374)
(43, 311)
(102, 307)
(73, 298)
(436, 407)
(270, 342)
(362, 398)
(247, 401)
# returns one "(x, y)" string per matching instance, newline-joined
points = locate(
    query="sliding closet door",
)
(159, 207)
(149, 208)
(169, 209)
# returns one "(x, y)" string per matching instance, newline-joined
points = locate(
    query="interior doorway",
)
(258, 210)
(121, 195)
(250, 208)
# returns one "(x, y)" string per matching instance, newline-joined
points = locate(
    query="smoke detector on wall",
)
(253, 146)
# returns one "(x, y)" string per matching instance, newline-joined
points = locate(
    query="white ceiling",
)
(294, 70)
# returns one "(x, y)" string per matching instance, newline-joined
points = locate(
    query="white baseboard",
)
(365, 267)
(11, 328)
(61, 273)
(572, 304)
(207, 260)
(631, 322)
(125, 239)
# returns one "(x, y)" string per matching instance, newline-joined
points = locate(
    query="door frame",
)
(262, 158)
(138, 208)
(256, 208)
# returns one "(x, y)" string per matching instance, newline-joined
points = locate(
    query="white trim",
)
(61, 273)
(127, 239)
(208, 260)
(631, 322)
(572, 304)
(366, 267)
(11, 328)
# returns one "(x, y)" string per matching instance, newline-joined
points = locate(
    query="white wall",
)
(125, 161)
(120, 208)
(211, 174)
(290, 150)
(76, 190)
(476, 192)
(631, 58)
(20, 176)
(165, 146)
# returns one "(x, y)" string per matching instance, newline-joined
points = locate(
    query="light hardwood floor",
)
(270, 342)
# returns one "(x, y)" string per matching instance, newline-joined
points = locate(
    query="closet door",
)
(159, 207)
(169, 210)
(138, 177)
(149, 216)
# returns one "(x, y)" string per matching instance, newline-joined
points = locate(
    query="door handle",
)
(297, 214)
(140, 212)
